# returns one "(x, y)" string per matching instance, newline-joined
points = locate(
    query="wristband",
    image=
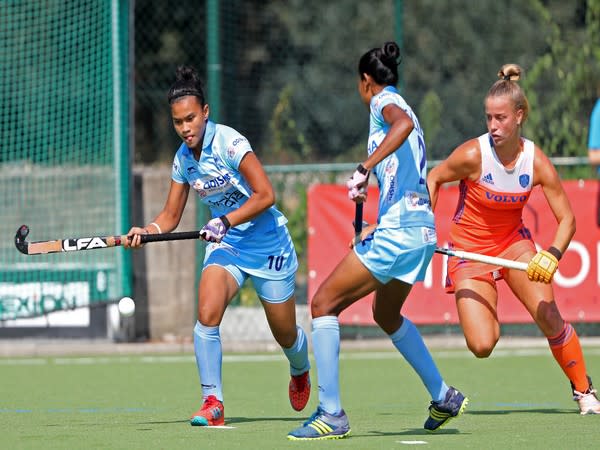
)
(157, 227)
(362, 169)
(555, 252)
(225, 221)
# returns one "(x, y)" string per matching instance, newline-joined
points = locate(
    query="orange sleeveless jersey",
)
(488, 218)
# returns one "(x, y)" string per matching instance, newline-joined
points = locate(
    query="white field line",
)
(179, 359)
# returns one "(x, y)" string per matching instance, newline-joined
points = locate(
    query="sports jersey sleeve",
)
(236, 146)
(177, 174)
(384, 99)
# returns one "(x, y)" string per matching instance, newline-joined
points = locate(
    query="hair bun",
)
(186, 73)
(391, 51)
(510, 72)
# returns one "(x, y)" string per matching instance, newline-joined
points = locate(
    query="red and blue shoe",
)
(299, 390)
(211, 414)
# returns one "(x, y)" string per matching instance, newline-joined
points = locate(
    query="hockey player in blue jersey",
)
(391, 256)
(247, 238)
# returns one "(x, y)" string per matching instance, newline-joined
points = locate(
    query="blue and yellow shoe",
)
(322, 425)
(440, 413)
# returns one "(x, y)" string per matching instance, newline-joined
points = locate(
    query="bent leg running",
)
(280, 309)
(348, 282)
(387, 306)
(446, 402)
(564, 343)
(477, 307)
(217, 288)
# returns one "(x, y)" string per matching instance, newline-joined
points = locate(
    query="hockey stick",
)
(358, 220)
(89, 243)
(493, 260)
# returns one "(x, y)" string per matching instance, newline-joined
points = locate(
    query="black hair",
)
(187, 82)
(381, 64)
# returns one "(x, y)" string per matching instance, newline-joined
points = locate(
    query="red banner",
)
(576, 284)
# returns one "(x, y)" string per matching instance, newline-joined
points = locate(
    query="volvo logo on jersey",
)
(506, 198)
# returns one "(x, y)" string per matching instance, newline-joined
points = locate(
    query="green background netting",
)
(64, 153)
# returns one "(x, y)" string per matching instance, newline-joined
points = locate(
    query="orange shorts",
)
(463, 269)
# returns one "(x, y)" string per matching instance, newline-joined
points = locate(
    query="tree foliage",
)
(289, 70)
(564, 80)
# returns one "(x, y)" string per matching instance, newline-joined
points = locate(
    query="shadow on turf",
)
(231, 420)
(512, 411)
(413, 432)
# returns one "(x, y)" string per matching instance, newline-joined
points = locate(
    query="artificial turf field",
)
(518, 399)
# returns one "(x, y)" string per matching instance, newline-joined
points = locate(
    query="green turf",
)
(518, 400)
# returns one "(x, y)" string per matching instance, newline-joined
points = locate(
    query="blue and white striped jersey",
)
(403, 198)
(219, 184)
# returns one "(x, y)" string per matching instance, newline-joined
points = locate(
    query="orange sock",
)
(567, 352)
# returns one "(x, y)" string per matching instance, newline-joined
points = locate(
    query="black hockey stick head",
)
(20, 242)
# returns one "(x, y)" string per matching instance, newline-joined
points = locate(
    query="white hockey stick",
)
(494, 260)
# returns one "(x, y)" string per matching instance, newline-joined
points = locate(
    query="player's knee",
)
(549, 319)
(208, 317)
(480, 348)
(285, 340)
(388, 323)
(318, 308)
(285, 336)
(322, 306)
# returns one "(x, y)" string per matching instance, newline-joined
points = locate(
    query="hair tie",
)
(506, 77)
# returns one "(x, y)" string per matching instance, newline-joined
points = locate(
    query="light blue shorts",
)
(268, 289)
(398, 253)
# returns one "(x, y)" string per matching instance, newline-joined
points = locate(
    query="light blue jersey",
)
(404, 199)
(405, 238)
(262, 246)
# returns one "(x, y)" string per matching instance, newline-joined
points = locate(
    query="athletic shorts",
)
(268, 289)
(463, 269)
(398, 253)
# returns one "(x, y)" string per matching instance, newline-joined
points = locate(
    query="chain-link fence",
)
(284, 73)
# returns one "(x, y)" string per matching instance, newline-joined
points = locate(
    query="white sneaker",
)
(588, 402)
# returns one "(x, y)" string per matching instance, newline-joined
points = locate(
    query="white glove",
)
(215, 229)
(357, 184)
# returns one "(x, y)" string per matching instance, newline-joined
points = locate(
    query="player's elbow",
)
(268, 198)
(570, 224)
(263, 200)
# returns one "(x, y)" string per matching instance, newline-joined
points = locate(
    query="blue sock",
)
(209, 357)
(409, 342)
(297, 354)
(326, 347)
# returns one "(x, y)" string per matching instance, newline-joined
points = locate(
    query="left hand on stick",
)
(542, 267)
(133, 237)
(366, 231)
(214, 230)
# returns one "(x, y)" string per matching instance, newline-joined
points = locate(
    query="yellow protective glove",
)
(542, 267)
